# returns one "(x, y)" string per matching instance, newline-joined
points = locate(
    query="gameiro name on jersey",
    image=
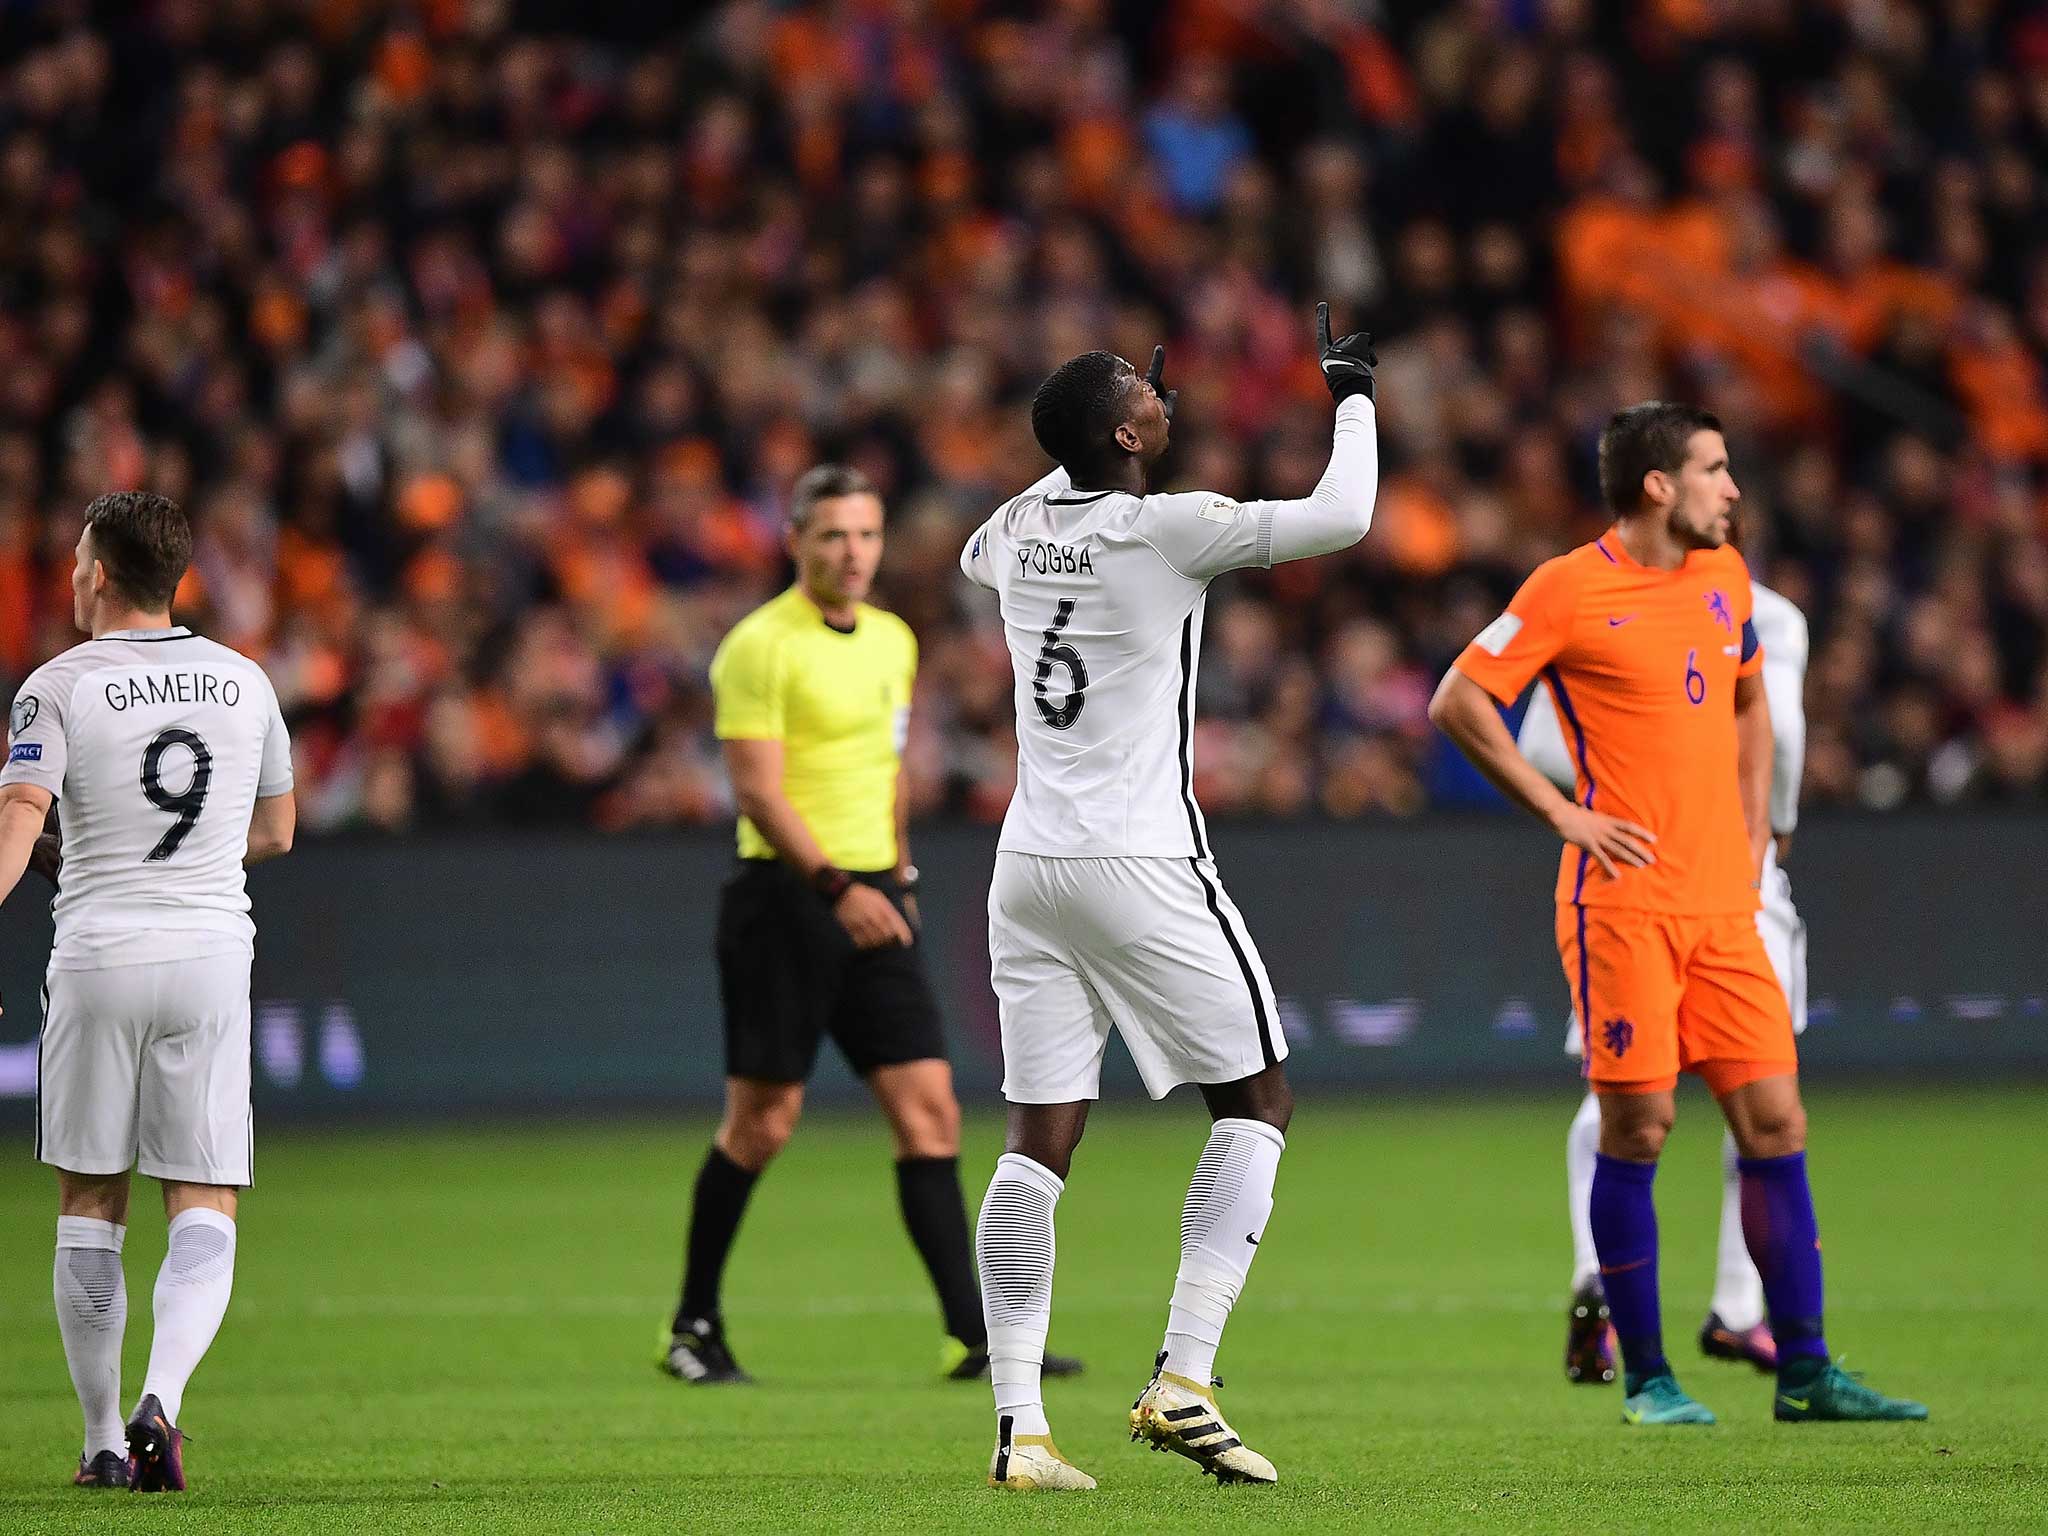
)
(1102, 597)
(157, 745)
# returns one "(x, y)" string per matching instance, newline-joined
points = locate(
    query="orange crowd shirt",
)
(1642, 664)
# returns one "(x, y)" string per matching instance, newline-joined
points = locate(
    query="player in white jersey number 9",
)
(169, 756)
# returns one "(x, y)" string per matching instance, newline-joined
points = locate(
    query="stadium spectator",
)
(486, 352)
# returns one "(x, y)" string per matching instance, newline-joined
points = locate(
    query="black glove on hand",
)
(1347, 364)
(1153, 376)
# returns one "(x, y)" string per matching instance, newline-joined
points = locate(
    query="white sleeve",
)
(1784, 692)
(978, 556)
(1202, 535)
(976, 561)
(275, 776)
(36, 748)
(1337, 513)
(1542, 740)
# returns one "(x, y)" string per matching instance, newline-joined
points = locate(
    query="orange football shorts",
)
(1658, 995)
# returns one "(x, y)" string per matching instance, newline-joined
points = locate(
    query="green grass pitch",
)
(452, 1330)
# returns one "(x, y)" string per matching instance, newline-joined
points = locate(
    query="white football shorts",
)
(1784, 941)
(1152, 947)
(147, 1067)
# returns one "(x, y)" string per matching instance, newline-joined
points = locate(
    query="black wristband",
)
(1358, 384)
(830, 882)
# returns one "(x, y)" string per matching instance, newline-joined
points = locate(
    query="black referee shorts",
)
(788, 975)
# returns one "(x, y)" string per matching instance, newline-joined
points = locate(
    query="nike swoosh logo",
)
(1252, 1240)
(1617, 623)
(1632, 1415)
(1796, 1403)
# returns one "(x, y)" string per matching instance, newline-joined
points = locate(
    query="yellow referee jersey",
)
(839, 704)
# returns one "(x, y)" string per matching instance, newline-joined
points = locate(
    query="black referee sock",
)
(929, 1188)
(715, 1212)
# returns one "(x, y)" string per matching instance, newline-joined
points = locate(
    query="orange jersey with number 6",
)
(1642, 664)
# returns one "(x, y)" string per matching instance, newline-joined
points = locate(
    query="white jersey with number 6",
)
(1103, 595)
(157, 745)
(1106, 911)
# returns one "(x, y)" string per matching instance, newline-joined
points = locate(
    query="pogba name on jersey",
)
(172, 688)
(1043, 559)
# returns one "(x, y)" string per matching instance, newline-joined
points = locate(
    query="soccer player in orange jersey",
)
(1645, 641)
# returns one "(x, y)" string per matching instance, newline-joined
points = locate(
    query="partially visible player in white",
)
(1735, 1328)
(1106, 910)
(168, 756)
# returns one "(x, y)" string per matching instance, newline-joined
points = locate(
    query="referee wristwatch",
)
(907, 881)
(830, 882)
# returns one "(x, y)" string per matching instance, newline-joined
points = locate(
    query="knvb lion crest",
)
(1619, 1035)
(1717, 605)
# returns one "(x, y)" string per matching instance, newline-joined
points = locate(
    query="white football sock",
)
(1228, 1202)
(92, 1314)
(1738, 1288)
(1013, 1245)
(1581, 1156)
(191, 1298)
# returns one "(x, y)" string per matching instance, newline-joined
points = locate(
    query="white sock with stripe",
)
(1581, 1157)
(1013, 1245)
(192, 1292)
(1738, 1288)
(92, 1314)
(1225, 1215)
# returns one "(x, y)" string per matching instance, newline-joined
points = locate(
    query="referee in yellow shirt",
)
(817, 932)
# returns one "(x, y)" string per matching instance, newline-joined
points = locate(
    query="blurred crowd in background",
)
(484, 352)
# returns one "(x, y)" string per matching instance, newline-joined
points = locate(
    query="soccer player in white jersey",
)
(1735, 1328)
(1105, 910)
(169, 757)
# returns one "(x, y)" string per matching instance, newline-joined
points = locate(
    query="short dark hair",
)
(1653, 435)
(1077, 410)
(144, 541)
(825, 482)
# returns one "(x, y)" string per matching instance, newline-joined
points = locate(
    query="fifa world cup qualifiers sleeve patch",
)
(1202, 534)
(1533, 630)
(1498, 635)
(35, 740)
(28, 709)
(977, 559)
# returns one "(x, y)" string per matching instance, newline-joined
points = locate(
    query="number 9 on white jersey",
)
(157, 745)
